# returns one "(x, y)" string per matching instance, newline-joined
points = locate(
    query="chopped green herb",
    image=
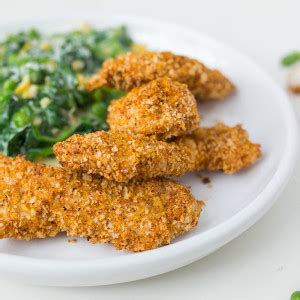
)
(42, 95)
(290, 59)
(295, 295)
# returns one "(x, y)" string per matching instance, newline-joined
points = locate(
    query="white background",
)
(264, 263)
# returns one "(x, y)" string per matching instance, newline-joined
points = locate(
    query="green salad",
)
(42, 95)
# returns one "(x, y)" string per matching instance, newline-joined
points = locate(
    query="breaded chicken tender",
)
(162, 107)
(220, 148)
(122, 156)
(38, 201)
(26, 193)
(133, 69)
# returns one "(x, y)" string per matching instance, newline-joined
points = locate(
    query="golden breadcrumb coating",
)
(121, 156)
(26, 193)
(161, 107)
(37, 201)
(133, 69)
(220, 148)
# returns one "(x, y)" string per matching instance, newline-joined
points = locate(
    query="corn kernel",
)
(45, 46)
(85, 27)
(77, 65)
(37, 121)
(22, 86)
(44, 102)
(31, 92)
(26, 47)
(82, 80)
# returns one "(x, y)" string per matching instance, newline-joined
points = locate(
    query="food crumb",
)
(206, 180)
(72, 241)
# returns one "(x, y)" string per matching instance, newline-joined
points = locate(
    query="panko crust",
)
(27, 191)
(134, 216)
(220, 148)
(134, 69)
(162, 107)
(38, 201)
(121, 156)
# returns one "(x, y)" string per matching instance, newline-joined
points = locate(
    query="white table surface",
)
(263, 263)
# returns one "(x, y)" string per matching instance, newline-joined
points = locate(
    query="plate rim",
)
(185, 251)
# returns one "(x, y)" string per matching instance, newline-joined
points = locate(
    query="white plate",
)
(234, 202)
